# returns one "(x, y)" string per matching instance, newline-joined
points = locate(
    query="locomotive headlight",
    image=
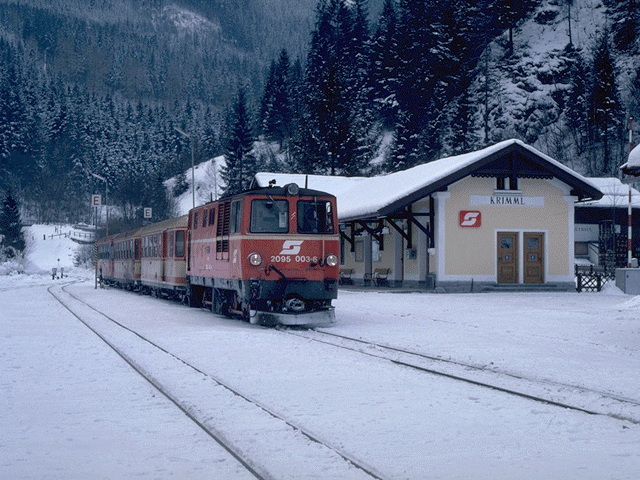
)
(331, 260)
(255, 259)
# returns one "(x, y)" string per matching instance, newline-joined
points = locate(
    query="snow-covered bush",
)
(11, 262)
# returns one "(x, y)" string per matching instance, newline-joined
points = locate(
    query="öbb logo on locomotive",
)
(291, 247)
(291, 252)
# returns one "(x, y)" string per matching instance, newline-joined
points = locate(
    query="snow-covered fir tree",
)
(11, 226)
(240, 164)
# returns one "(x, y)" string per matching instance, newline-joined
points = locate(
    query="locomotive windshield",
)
(315, 217)
(270, 216)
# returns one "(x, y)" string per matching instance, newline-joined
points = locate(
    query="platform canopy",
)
(616, 194)
(378, 197)
(632, 167)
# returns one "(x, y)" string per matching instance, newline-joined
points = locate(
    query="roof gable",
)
(513, 163)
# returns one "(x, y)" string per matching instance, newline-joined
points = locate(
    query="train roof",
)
(303, 192)
(279, 191)
(125, 235)
(178, 222)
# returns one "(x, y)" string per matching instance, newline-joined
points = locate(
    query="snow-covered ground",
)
(73, 409)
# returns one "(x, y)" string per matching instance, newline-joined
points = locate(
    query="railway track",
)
(251, 432)
(563, 395)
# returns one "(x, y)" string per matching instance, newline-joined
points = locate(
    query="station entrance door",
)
(533, 257)
(507, 256)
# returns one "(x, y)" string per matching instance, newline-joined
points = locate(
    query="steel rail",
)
(380, 350)
(355, 462)
(158, 386)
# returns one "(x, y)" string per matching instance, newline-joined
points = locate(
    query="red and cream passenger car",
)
(151, 259)
(163, 257)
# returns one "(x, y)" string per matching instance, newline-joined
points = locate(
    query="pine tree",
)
(267, 102)
(576, 104)
(463, 137)
(385, 66)
(11, 225)
(423, 68)
(604, 109)
(334, 124)
(13, 121)
(276, 108)
(157, 199)
(240, 166)
(509, 13)
(627, 31)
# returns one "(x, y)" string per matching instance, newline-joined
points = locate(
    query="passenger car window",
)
(315, 217)
(180, 243)
(269, 216)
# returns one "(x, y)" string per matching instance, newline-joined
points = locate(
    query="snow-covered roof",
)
(380, 196)
(632, 167)
(616, 194)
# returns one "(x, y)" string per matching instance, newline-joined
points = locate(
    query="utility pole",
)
(630, 209)
(193, 182)
(106, 202)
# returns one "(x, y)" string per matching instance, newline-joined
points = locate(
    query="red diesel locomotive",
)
(266, 255)
(269, 256)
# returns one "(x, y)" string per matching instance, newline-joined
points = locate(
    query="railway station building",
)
(501, 216)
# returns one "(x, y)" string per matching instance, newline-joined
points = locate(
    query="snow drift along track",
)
(539, 390)
(252, 433)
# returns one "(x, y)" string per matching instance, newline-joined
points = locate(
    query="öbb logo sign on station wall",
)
(470, 218)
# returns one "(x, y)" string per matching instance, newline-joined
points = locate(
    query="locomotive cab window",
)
(315, 217)
(270, 216)
(236, 216)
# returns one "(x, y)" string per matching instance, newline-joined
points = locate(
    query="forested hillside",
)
(100, 85)
(329, 86)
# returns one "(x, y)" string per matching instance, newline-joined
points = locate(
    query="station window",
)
(507, 183)
(195, 220)
(581, 249)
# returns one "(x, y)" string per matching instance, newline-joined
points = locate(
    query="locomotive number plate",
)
(291, 258)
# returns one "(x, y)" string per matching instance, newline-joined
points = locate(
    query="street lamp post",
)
(193, 182)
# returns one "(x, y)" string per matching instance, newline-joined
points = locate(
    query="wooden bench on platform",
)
(345, 276)
(380, 277)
